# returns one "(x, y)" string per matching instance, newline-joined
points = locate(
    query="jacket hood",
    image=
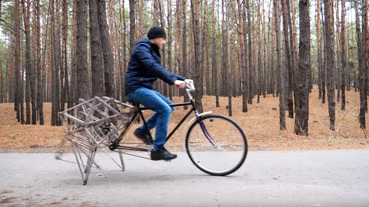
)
(152, 45)
(144, 40)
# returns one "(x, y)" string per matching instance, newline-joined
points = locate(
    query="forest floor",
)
(260, 124)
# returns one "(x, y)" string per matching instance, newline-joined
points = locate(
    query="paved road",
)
(308, 178)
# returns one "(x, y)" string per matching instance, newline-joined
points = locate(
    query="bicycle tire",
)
(229, 152)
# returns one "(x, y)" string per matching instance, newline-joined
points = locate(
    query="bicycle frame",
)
(173, 105)
(193, 109)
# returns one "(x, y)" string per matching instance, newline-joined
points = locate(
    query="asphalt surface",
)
(293, 178)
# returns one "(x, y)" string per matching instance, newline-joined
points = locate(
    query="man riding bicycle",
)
(144, 68)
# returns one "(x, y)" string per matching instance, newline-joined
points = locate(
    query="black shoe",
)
(143, 135)
(162, 154)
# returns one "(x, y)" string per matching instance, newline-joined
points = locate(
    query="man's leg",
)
(151, 122)
(159, 104)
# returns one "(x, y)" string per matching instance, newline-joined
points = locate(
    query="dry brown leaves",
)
(260, 123)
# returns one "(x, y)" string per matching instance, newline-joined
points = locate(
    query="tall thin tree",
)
(26, 17)
(18, 89)
(38, 65)
(329, 37)
(170, 40)
(343, 56)
(214, 62)
(83, 91)
(54, 65)
(72, 95)
(280, 71)
(106, 49)
(323, 68)
(196, 29)
(97, 68)
(241, 32)
(184, 45)
(288, 59)
(302, 87)
(249, 36)
(361, 77)
(65, 79)
(319, 48)
(132, 25)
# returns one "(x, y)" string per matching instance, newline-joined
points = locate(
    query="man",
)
(144, 68)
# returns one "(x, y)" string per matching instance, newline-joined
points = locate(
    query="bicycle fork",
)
(206, 133)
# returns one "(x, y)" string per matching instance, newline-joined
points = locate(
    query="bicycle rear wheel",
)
(216, 145)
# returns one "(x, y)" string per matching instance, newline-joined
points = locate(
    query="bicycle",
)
(99, 123)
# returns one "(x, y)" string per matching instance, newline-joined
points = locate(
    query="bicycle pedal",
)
(113, 147)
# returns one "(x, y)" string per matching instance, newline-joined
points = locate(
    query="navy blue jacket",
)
(145, 67)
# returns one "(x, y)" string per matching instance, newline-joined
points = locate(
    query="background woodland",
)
(62, 51)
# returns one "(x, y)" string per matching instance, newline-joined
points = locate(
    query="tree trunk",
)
(250, 91)
(97, 68)
(65, 79)
(83, 89)
(366, 43)
(140, 8)
(272, 70)
(115, 52)
(72, 95)
(294, 46)
(228, 60)
(184, 47)
(214, 63)
(338, 55)
(10, 93)
(132, 25)
(288, 60)
(259, 36)
(162, 86)
(1, 83)
(124, 51)
(38, 66)
(282, 119)
(55, 66)
(329, 33)
(177, 43)
(26, 17)
(170, 39)
(319, 48)
(323, 68)
(223, 71)
(293, 52)
(343, 56)
(364, 64)
(155, 18)
(241, 31)
(207, 49)
(196, 29)
(361, 77)
(302, 86)
(105, 43)
(45, 67)
(34, 60)
(22, 97)
(58, 58)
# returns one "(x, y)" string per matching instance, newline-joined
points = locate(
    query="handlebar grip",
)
(189, 85)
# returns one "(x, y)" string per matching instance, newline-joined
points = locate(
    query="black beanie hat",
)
(155, 32)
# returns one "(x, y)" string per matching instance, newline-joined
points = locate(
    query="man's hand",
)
(180, 84)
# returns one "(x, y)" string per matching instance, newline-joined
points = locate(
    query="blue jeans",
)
(158, 103)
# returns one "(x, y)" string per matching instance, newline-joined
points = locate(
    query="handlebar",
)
(189, 87)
